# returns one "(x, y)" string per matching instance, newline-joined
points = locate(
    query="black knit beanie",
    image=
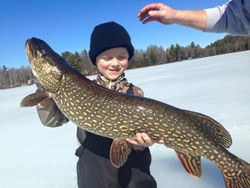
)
(109, 35)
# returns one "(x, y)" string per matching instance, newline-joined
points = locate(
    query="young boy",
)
(110, 50)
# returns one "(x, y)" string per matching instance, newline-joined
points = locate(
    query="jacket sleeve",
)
(48, 112)
(232, 17)
(138, 91)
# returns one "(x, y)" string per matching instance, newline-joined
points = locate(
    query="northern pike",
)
(119, 116)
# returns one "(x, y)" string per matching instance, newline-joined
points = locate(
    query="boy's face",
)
(113, 62)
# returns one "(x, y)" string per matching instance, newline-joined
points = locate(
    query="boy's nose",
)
(114, 62)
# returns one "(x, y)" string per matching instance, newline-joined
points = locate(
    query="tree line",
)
(15, 77)
(153, 55)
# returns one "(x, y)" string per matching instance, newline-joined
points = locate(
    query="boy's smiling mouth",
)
(114, 70)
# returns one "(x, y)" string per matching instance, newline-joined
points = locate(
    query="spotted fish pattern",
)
(119, 116)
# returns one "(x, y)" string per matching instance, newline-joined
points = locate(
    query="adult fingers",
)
(143, 13)
(149, 19)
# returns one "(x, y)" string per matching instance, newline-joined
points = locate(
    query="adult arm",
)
(167, 15)
(232, 17)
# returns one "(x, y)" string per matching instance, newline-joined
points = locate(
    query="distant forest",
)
(153, 55)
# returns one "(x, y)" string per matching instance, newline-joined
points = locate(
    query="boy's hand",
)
(142, 140)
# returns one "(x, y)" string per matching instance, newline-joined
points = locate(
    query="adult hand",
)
(157, 12)
(166, 15)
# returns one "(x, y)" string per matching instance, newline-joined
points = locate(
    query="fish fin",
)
(239, 178)
(221, 134)
(192, 164)
(34, 98)
(119, 152)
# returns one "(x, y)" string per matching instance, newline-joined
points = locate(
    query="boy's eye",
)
(122, 57)
(106, 58)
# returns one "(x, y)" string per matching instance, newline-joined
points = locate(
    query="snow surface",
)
(32, 155)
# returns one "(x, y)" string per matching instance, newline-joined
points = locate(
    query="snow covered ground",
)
(32, 155)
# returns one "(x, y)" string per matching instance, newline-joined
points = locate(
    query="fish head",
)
(47, 66)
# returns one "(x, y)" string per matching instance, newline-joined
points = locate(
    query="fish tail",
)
(237, 176)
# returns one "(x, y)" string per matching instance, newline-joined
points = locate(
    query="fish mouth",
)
(36, 48)
(28, 49)
(32, 49)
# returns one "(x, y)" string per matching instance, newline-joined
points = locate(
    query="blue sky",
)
(67, 25)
